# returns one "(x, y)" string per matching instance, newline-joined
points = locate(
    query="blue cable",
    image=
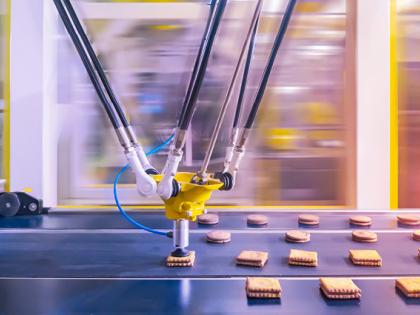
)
(117, 202)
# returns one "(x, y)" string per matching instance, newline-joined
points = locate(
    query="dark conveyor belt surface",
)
(228, 220)
(133, 254)
(60, 296)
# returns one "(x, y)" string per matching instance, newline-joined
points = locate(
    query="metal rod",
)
(198, 59)
(100, 71)
(202, 174)
(245, 78)
(190, 107)
(181, 234)
(87, 63)
(269, 67)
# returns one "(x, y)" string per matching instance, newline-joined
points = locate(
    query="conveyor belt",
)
(228, 220)
(55, 296)
(132, 254)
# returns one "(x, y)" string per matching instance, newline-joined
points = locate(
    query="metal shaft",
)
(87, 63)
(181, 234)
(244, 82)
(191, 104)
(198, 61)
(96, 63)
(100, 71)
(270, 64)
(202, 174)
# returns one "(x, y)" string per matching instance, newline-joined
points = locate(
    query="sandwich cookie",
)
(365, 257)
(187, 261)
(218, 237)
(308, 219)
(252, 258)
(257, 219)
(410, 287)
(208, 219)
(360, 220)
(263, 288)
(303, 258)
(340, 288)
(364, 237)
(296, 236)
(411, 220)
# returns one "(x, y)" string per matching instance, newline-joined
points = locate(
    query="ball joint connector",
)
(176, 188)
(152, 171)
(226, 179)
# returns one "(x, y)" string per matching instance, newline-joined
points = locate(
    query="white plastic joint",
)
(228, 157)
(143, 158)
(238, 154)
(146, 185)
(165, 187)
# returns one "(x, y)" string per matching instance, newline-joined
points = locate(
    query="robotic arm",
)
(184, 194)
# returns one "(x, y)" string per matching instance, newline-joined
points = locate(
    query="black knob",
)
(9, 204)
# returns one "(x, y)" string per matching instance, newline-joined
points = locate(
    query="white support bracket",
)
(33, 130)
(373, 104)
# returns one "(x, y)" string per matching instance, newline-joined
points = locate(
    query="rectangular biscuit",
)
(263, 287)
(365, 258)
(409, 285)
(364, 255)
(252, 258)
(303, 256)
(259, 284)
(341, 296)
(339, 286)
(187, 261)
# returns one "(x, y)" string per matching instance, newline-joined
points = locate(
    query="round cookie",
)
(208, 219)
(218, 237)
(296, 236)
(408, 219)
(364, 237)
(308, 219)
(361, 220)
(416, 235)
(257, 219)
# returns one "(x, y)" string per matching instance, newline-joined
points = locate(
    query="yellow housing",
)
(191, 200)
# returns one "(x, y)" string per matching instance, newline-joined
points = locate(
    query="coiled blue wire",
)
(117, 202)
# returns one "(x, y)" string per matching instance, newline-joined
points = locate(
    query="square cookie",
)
(252, 258)
(410, 287)
(187, 261)
(266, 288)
(303, 258)
(339, 288)
(365, 257)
